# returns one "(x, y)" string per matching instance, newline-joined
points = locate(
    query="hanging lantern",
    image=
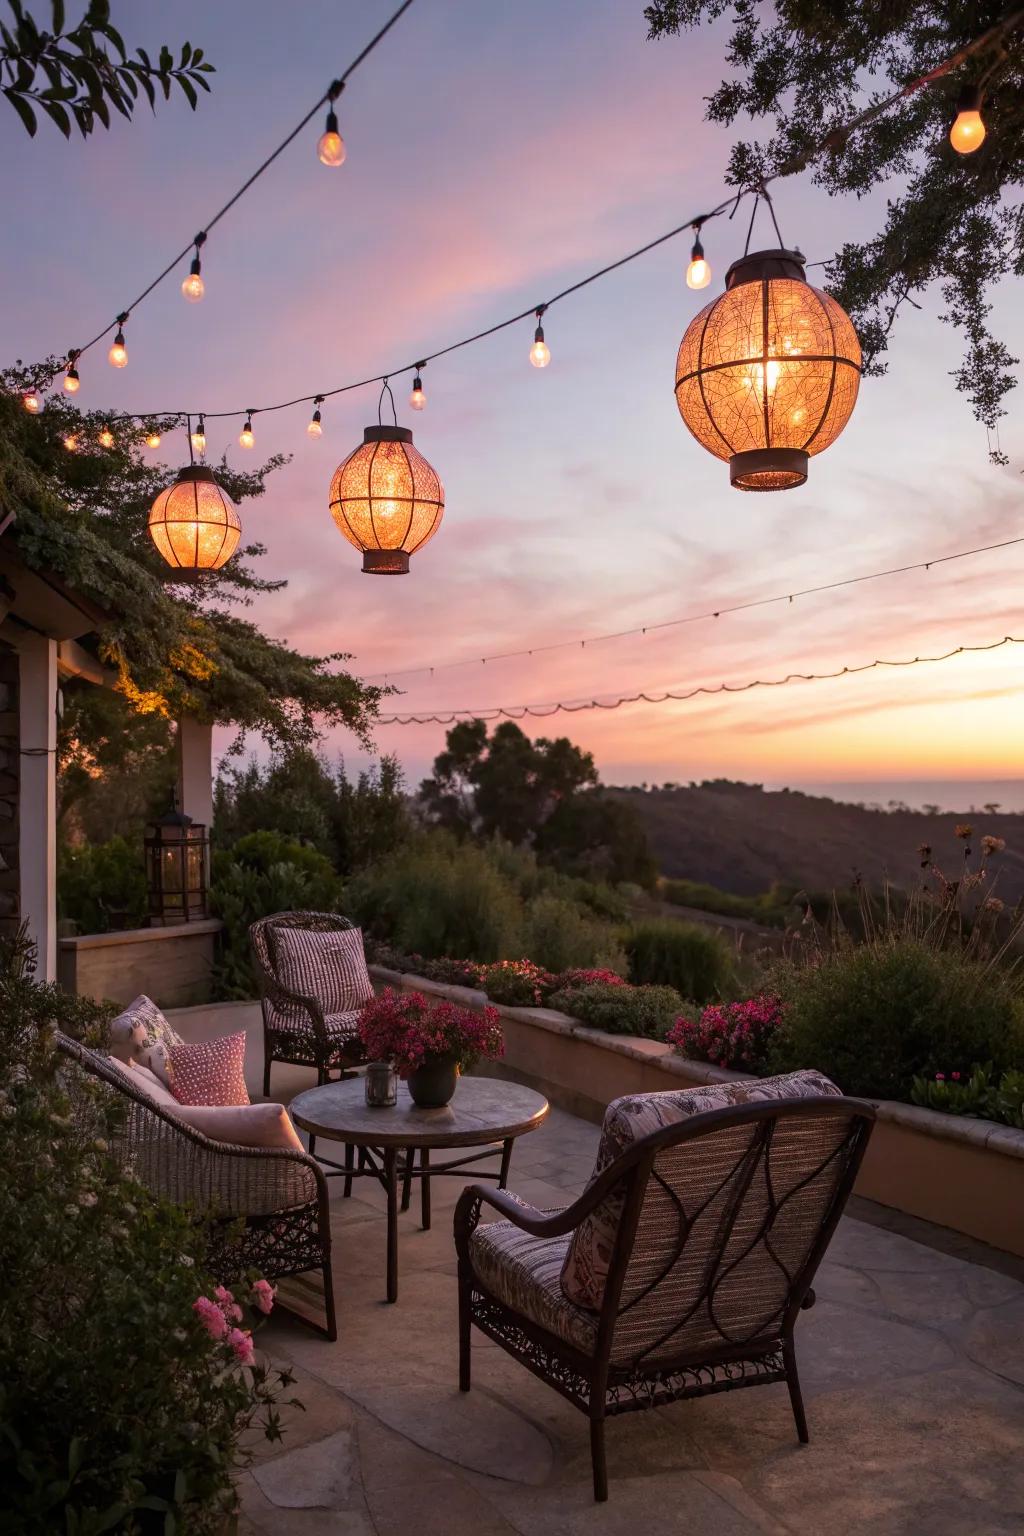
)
(768, 374)
(176, 849)
(387, 500)
(194, 523)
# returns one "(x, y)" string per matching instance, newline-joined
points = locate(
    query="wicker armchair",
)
(295, 1028)
(279, 1194)
(725, 1217)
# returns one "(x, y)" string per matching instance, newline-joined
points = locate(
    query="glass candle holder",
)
(381, 1085)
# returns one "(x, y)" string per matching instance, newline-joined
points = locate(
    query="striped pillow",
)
(211, 1072)
(329, 967)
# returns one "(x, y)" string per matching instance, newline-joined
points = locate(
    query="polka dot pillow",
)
(212, 1072)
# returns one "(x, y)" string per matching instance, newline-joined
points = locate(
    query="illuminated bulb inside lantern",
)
(246, 437)
(418, 398)
(153, 440)
(106, 438)
(967, 133)
(30, 400)
(698, 273)
(71, 442)
(193, 287)
(315, 427)
(331, 147)
(117, 357)
(72, 383)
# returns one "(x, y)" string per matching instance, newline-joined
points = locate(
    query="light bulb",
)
(71, 442)
(540, 353)
(199, 437)
(698, 273)
(968, 131)
(331, 147)
(31, 401)
(152, 439)
(246, 438)
(72, 383)
(193, 287)
(106, 438)
(315, 428)
(418, 398)
(117, 357)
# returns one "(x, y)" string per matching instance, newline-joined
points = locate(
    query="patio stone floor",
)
(912, 1364)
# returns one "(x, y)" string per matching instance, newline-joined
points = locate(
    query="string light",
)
(540, 353)
(198, 437)
(968, 131)
(106, 438)
(152, 439)
(315, 428)
(31, 401)
(331, 146)
(418, 398)
(117, 357)
(698, 273)
(246, 438)
(71, 442)
(193, 287)
(664, 696)
(72, 383)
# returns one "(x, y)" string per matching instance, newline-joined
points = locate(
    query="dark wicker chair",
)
(295, 1029)
(725, 1218)
(279, 1194)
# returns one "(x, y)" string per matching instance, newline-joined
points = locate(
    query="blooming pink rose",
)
(211, 1317)
(241, 1342)
(263, 1294)
(228, 1305)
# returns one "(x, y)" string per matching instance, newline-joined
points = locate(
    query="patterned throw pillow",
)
(628, 1120)
(211, 1072)
(330, 967)
(141, 1033)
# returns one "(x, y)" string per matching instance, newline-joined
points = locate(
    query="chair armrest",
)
(526, 1217)
(283, 998)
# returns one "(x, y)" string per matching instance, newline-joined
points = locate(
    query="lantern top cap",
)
(387, 435)
(758, 265)
(197, 472)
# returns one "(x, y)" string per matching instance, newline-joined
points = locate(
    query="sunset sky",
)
(496, 153)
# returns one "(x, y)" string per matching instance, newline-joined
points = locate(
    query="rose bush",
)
(736, 1035)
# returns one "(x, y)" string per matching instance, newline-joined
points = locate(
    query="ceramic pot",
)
(432, 1084)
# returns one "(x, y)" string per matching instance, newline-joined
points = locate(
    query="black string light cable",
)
(707, 690)
(834, 140)
(580, 642)
(195, 245)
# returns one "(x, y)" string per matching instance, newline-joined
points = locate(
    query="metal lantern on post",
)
(194, 523)
(386, 499)
(768, 374)
(176, 856)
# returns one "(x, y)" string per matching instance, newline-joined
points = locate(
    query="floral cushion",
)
(141, 1033)
(628, 1120)
(329, 967)
(523, 1272)
(210, 1072)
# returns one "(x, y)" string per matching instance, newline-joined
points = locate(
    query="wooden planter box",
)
(953, 1170)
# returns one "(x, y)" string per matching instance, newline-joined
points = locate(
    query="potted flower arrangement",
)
(429, 1043)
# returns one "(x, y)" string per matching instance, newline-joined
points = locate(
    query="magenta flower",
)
(228, 1305)
(240, 1341)
(211, 1317)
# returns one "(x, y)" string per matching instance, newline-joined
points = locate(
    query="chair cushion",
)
(209, 1072)
(147, 1082)
(141, 1033)
(242, 1125)
(628, 1120)
(523, 1272)
(339, 1026)
(330, 967)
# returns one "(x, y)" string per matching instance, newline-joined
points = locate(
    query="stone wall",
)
(173, 966)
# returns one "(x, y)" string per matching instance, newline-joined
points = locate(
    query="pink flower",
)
(228, 1305)
(211, 1317)
(940, 1077)
(956, 1077)
(263, 1294)
(241, 1343)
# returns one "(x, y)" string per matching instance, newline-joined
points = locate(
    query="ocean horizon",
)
(969, 796)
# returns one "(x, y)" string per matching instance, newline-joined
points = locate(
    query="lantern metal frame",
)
(186, 841)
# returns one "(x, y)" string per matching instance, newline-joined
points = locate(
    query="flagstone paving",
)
(912, 1364)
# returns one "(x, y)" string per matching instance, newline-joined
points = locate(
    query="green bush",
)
(101, 886)
(648, 1011)
(261, 874)
(693, 960)
(437, 897)
(769, 908)
(117, 1410)
(559, 936)
(875, 1016)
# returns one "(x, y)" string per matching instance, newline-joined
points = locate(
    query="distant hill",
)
(742, 838)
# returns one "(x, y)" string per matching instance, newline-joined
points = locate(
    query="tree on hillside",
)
(952, 219)
(591, 835)
(76, 74)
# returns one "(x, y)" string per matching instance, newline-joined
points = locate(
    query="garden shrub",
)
(102, 886)
(648, 1011)
(735, 1035)
(261, 874)
(118, 1409)
(559, 934)
(874, 1016)
(693, 960)
(516, 983)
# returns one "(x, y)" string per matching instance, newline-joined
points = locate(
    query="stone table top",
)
(484, 1109)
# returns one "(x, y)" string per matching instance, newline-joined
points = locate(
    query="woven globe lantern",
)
(387, 500)
(194, 523)
(768, 374)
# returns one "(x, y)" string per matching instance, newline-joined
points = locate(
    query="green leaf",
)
(116, 38)
(54, 110)
(23, 110)
(189, 90)
(58, 16)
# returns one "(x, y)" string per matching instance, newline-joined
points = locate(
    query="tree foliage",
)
(175, 648)
(76, 74)
(952, 220)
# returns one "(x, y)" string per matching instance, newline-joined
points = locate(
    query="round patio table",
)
(484, 1111)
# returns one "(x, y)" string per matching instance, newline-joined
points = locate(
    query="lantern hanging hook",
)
(386, 390)
(761, 193)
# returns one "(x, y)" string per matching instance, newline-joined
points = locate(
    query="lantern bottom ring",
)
(385, 562)
(768, 469)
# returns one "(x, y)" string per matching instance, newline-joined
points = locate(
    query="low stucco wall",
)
(173, 965)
